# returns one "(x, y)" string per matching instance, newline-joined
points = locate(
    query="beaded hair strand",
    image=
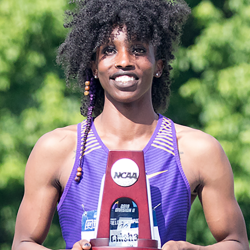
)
(92, 92)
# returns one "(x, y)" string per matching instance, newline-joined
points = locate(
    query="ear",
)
(158, 68)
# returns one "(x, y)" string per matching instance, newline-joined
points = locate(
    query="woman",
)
(119, 52)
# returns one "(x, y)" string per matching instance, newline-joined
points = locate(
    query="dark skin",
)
(125, 70)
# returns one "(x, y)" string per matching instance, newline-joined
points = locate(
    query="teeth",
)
(124, 78)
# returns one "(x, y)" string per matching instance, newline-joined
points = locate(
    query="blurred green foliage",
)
(210, 92)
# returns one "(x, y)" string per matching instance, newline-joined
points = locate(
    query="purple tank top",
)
(170, 190)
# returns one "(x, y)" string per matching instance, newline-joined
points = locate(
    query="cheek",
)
(103, 72)
(147, 64)
(148, 70)
(104, 65)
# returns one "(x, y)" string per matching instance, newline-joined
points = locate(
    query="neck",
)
(126, 126)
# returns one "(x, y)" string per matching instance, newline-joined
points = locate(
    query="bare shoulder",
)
(201, 155)
(57, 140)
(197, 141)
(53, 156)
(193, 135)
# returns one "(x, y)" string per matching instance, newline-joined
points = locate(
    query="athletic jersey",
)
(170, 190)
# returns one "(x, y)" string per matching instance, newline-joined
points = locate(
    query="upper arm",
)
(41, 193)
(213, 173)
(221, 209)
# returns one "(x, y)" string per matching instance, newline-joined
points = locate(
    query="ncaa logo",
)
(125, 172)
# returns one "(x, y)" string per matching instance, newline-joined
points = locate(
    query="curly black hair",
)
(158, 22)
(92, 22)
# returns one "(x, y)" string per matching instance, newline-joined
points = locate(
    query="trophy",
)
(124, 216)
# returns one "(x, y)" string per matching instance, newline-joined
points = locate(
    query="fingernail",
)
(87, 245)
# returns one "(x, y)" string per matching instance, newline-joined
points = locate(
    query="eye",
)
(139, 50)
(109, 50)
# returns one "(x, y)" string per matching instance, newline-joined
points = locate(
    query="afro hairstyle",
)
(91, 23)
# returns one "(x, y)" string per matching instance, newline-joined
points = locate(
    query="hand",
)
(82, 244)
(179, 245)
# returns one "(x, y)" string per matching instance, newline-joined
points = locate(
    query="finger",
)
(170, 245)
(166, 247)
(82, 244)
(86, 245)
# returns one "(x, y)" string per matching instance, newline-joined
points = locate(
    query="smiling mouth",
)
(124, 79)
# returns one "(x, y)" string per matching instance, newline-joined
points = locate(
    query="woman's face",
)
(126, 68)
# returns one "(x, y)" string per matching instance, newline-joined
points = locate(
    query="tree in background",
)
(212, 87)
(33, 97)
(210, 92)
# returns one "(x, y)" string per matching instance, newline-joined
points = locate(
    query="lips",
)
(124, 76)
(124, 79)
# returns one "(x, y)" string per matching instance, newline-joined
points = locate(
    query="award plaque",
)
(124, 216)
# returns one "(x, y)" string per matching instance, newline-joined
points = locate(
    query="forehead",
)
(121, 33)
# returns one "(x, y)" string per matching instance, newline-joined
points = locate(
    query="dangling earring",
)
(87, 88)
(96, 74)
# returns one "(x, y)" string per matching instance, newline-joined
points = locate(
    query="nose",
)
(124, 60)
